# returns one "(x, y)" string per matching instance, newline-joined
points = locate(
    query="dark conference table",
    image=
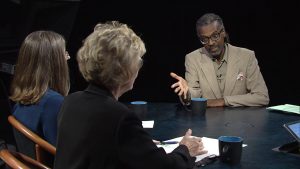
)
(261, 130)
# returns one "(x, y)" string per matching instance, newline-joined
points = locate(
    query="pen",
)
(168, 142)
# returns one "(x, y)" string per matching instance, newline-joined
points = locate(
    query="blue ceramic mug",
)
(230, 149)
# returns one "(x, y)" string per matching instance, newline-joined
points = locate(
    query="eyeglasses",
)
(214, 37)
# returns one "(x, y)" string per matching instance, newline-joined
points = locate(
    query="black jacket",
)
(97, 131)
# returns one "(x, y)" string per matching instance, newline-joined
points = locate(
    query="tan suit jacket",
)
(244, 83)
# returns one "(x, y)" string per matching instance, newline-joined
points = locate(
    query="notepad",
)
(210, 144)
(289, 108)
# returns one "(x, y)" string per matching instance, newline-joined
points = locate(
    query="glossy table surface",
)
(261, 130)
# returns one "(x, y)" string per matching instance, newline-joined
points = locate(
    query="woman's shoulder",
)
(52, 97)
(52, 93)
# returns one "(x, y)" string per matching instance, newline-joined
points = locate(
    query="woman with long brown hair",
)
(40, 82)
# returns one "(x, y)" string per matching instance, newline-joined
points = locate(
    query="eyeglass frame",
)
(218, 34)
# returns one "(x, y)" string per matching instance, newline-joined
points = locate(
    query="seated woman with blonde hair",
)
(95, 129)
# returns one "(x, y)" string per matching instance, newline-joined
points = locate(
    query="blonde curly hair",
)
(110, 55)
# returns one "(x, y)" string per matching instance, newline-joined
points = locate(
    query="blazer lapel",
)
(232, 70)
(210, 74)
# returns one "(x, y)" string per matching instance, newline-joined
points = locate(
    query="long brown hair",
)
(41, 65)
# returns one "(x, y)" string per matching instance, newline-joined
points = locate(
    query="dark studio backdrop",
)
(168, 30)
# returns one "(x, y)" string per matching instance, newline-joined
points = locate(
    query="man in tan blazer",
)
(224, 74)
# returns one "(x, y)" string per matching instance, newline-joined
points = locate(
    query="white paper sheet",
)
(210, 144)
(148, 124)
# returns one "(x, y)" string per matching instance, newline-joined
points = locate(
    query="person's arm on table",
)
(258, 91)
(137, 150)
(215, 102)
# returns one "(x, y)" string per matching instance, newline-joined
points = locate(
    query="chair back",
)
(18, 160)
(24, 144)
(32, 144)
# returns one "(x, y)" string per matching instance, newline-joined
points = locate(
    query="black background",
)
(269, 28)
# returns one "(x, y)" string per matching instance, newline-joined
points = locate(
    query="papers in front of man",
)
(210, 144)
(286, 108)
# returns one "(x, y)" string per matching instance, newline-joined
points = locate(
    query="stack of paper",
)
(286, 108)
(210, 144)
